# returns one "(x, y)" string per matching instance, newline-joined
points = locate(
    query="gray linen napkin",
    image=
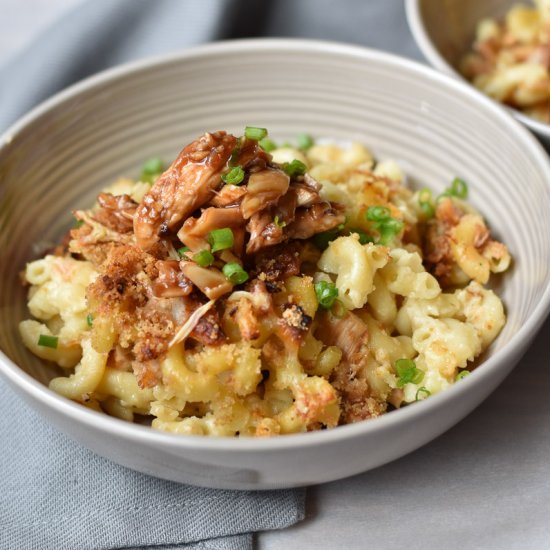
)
(53, 493)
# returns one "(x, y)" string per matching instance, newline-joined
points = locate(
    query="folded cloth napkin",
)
(55, 494)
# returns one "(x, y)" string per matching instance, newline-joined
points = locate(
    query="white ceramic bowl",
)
(57, 157)
(444, 30)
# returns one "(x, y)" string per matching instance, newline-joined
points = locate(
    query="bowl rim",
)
(432, 55)
(146, 435)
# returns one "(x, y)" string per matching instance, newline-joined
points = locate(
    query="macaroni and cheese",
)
(510, 59)
(256, 290)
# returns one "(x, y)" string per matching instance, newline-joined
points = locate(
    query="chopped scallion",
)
(378, 213)
(386, 226)
(235, 273)
(462, 374)
(267, 145)
(326, 294)
(183, 250)
(251, 132)
(459, 188)
(235, 176)
(89, 319)
(305, 141)
(422, 391)
(152, 169)
(278, 222)
(220, 239)
(48, 341)
(408, 372)
(204, 258)
(425, 203)
(294, 168)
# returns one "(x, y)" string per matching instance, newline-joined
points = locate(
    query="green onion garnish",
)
(425, 202)
(305, 141)
(251, 132)
(278, 222)
(183, 250)
(378, 213)
(152, 169)
(220, 239)
(267, 145)
(78, 223)
(89, 319)
(294, 168)
(204, 258)
(326, 294)
(48, 341)
(459, 188)
(235, 273)
(235, 176)
(387, 226)
(364, 237)
(461, 375)
(322, 240)
(408, 372)
(421, 391)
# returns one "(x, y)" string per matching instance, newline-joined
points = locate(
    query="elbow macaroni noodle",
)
(269, 385)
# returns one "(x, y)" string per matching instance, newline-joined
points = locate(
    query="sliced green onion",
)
(304, 141)
(278, 222)
(378, 213)
(389, 229)
(421, 391)
(220, 239)
(235, 273)
(152, 169)
(48, 341)
(235, 176)
(204, 258)
(322, 240)
(364, 237)
(183, 250)
(251, 132)
(387, 226)
(78, 223)
(326, 294)
(89, 319)
(461, 375)
(425, 202)
(459, 188)
(294, 168)
(267, 145)
(408, 372)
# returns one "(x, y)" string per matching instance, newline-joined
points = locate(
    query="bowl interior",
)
(59, 157)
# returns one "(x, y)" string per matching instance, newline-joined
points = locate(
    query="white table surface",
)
(484, 484)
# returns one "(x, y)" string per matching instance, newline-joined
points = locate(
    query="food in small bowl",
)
(501, 46)
(253, 290)
(510, 59)
(59, 158)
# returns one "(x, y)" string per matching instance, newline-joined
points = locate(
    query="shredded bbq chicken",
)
(146, 291)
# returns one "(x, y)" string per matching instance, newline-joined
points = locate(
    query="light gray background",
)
(484, 484)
